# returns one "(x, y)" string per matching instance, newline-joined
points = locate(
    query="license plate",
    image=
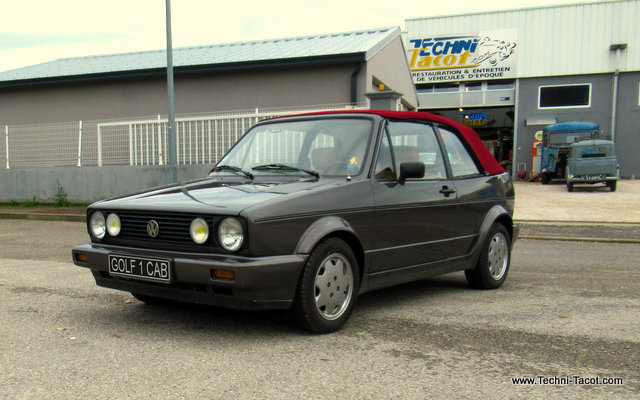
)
(145, 268)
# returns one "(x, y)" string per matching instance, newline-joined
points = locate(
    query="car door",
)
(414, 220)
(476, 191)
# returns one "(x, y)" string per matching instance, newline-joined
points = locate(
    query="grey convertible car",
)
(307, 212)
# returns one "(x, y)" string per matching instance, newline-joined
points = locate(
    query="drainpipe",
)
(614, 101)
(516, 144)
(354, 84)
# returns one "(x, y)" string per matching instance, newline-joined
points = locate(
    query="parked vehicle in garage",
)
(556, 140)
(592, 161)
(307, 212)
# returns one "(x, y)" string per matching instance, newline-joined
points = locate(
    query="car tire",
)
(150, 300)
(328, 287)
(570, 187)
(613, 185)
(495, 258)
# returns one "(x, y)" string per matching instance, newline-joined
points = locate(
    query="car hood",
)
(211, 196)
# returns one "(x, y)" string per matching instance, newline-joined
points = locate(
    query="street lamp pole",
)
(172, 112)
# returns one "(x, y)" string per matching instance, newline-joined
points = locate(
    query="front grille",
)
(174, 227)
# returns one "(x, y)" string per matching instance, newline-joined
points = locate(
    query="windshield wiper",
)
(284, 167)
(232, 169)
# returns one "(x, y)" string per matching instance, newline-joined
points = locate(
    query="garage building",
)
(321, 69)
(510, 73)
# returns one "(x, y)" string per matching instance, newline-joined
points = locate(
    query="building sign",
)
(473, 118)
(485, 56)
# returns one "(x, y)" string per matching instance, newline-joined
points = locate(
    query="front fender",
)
(319, 229)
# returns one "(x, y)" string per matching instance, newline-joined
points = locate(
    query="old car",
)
(307, 212)
(592, 161)
(556, 140)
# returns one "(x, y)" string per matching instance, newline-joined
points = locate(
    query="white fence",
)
(200, 139)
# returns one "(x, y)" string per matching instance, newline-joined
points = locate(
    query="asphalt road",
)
(566, 309)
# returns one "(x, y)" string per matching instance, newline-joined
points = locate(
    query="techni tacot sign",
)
(485, 56)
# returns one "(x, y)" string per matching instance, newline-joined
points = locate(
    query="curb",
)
(578, 223)
(45, 217)
(579, 239)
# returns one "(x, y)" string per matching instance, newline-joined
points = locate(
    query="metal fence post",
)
(80, 145)
(99, 146)
(131, 144)
(6, 143)
(160, 141)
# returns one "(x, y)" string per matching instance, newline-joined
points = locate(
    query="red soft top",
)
(488, 162)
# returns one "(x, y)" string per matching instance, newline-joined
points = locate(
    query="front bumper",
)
(260, 282)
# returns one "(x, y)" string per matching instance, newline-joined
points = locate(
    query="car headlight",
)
(113, 224)
(97, 225)
(199, 230)
(230, 234)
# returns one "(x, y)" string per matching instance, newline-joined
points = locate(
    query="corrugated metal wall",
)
(560, 40)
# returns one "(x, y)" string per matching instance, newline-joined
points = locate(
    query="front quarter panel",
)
(288, 225)
(321, 228)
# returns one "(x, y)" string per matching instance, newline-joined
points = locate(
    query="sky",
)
(37, 31)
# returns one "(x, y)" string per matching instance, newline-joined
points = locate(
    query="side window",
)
(413, 142)
(384, 164)
(462, 163)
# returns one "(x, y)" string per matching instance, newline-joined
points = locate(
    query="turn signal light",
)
(224, 274)
(81, 257)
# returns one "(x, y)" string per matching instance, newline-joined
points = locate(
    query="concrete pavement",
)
(589, 213)
(536, 202)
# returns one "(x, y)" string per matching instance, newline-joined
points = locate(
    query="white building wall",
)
(559, 40)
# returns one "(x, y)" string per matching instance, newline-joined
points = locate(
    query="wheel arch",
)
(497, 213)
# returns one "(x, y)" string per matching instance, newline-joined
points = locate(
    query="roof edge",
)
(188, 70)
(394, 32)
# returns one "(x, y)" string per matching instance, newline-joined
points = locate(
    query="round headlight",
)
(199, 230)
(113, 224)
(230, 234)
(97, 225)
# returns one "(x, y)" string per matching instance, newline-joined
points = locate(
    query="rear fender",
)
(497, 213)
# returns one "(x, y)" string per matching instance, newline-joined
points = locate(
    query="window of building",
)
(472, 86)
(500, 85)
(424, 87)
(446, 87)
(567, 96)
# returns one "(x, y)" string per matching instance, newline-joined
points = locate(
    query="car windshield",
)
(330, 147)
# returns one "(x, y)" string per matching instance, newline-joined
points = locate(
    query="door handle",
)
(446, 191)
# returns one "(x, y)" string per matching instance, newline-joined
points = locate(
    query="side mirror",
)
(410, 170)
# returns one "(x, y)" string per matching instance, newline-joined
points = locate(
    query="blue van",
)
(556, 140)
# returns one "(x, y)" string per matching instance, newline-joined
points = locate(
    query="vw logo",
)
(153, 229)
